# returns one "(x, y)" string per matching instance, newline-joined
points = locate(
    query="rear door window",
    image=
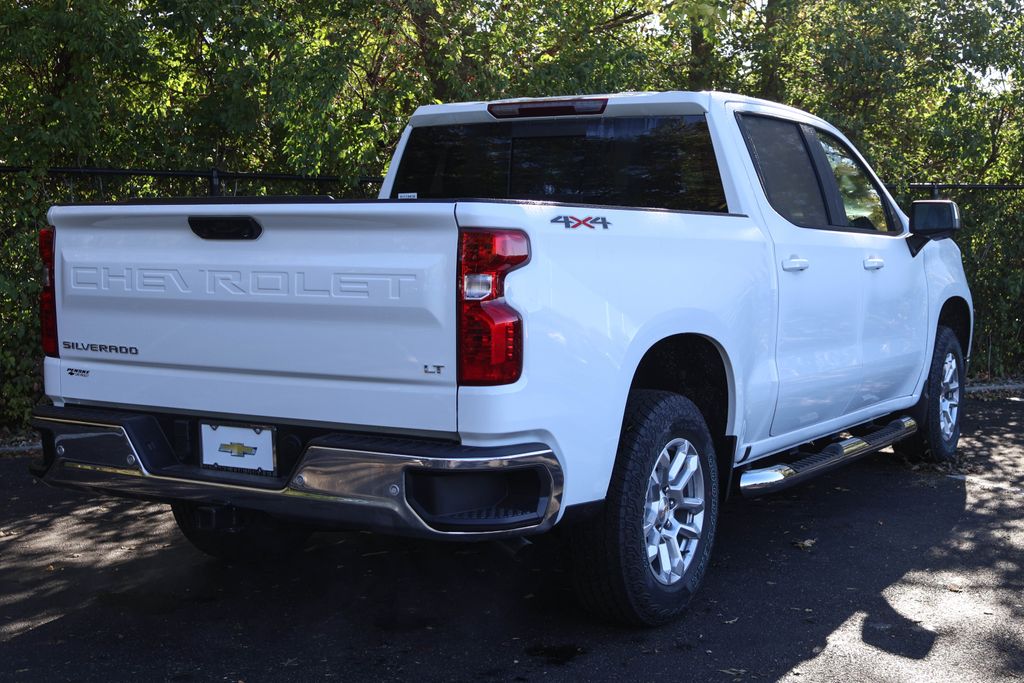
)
(787, 173)
(653, 162)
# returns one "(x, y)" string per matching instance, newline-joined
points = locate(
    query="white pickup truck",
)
(603, 313)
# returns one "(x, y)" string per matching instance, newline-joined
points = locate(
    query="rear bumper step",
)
(781, 476)
(401, 486)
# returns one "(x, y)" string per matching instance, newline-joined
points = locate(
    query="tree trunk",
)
(699, 76)
(770, 85)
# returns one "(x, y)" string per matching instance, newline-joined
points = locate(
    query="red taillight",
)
(490, 331)
(48, 295)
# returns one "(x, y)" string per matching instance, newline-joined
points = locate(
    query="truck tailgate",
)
(340, 313)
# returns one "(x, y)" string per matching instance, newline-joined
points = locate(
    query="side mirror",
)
(934, 218)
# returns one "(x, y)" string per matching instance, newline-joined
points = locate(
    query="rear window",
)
(657, 162)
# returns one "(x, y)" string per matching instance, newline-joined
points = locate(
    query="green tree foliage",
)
(928, 89)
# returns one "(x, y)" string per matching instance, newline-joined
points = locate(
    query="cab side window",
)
(863, 206)
(786, 169)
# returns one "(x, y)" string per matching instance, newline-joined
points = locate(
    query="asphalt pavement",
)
(882, 571)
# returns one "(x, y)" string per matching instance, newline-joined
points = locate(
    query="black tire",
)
(611, 571)
(930, 443)
(250, 537)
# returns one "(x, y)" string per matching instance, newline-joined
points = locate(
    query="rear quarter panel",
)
(595, 300)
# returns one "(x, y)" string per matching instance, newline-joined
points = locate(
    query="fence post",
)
(935, 191)
(214, 182)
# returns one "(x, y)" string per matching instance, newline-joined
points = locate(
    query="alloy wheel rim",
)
(674, 511)
(949, 396)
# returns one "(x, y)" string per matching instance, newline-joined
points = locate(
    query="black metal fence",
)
(214, 177)
(936, 189)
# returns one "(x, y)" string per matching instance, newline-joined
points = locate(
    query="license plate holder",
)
(240, 448)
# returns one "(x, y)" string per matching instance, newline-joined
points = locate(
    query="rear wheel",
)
(938, 411)
(644, 557)
(238, 535)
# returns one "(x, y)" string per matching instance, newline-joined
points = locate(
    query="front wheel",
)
(938, 411)
(642, 560)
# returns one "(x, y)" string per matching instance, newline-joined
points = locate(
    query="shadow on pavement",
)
(100, 588)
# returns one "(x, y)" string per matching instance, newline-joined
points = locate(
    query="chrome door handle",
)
(794, 263)
(873, 263)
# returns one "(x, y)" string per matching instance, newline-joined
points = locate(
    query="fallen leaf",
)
(731, 621)
(734, 672)
(805, 544)
(953, 588)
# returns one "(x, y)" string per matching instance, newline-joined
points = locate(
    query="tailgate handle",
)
(225, 227)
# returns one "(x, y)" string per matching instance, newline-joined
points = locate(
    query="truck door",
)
(894, 334)
(821, 294)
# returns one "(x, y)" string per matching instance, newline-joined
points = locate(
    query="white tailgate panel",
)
(330, 316)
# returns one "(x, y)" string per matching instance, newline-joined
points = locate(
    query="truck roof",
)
(617, 104)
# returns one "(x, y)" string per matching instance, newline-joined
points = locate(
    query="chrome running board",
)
(782, 476)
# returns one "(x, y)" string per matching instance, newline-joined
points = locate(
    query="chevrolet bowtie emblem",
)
(238, 450)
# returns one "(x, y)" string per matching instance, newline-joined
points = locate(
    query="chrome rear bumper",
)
(340, 480)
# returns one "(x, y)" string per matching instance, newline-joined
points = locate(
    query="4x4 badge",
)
(571, 222)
